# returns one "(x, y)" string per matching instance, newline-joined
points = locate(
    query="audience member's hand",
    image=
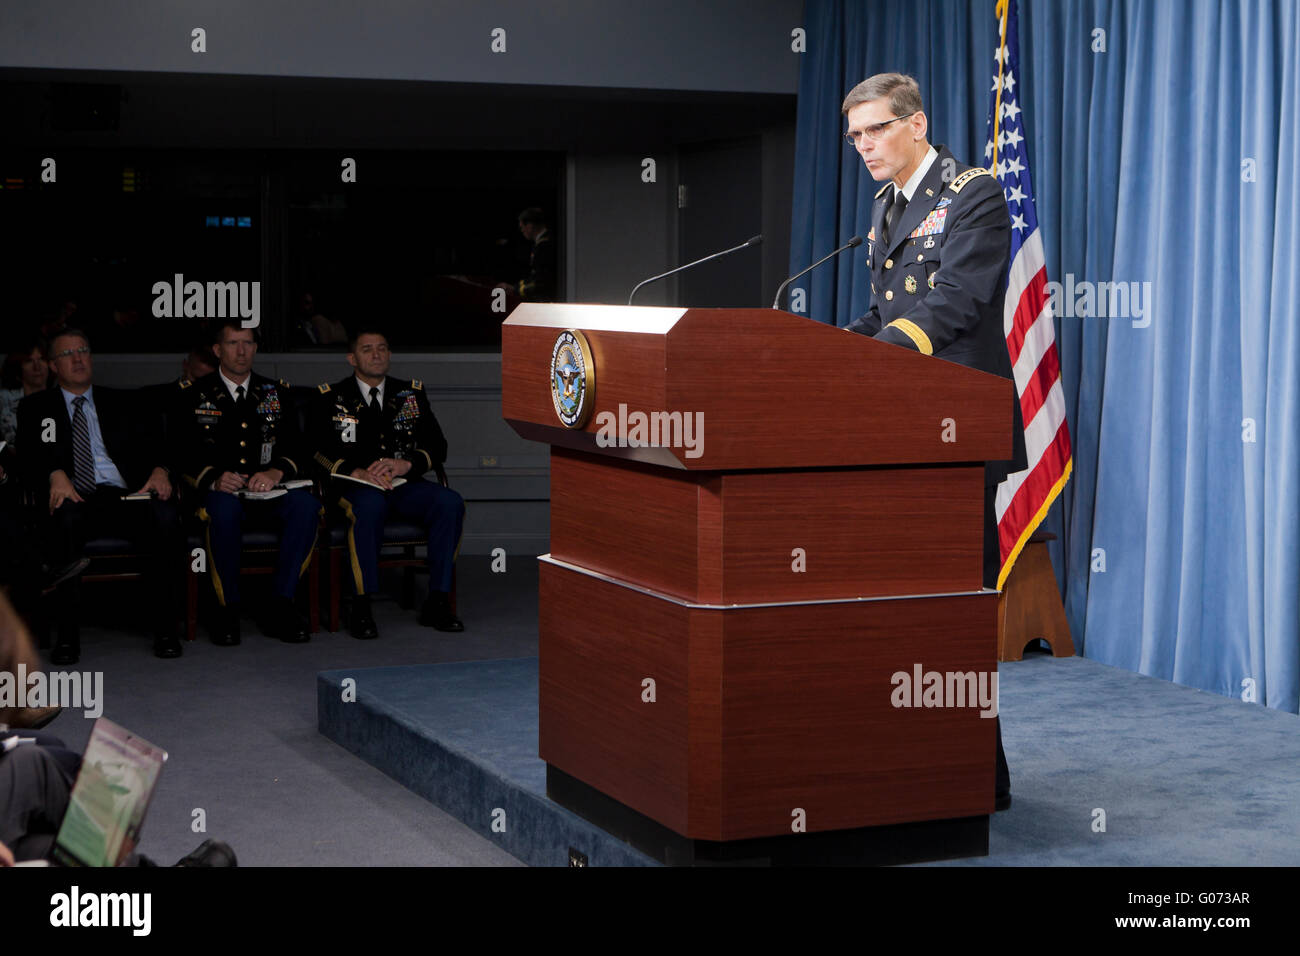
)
(364, 474)
(6, 856)
(389, 468)
(229, 481)
(265, 480)
(158, 483)
(61, 490)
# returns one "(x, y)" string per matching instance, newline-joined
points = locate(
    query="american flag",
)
(1023, 499)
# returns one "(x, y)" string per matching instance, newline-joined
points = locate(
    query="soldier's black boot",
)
(437, 613)
(361, 624)
(225, 629)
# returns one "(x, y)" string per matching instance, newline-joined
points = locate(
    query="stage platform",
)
(464, 737)
(1108, 768)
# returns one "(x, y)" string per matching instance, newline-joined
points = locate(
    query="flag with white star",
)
(1024, 498)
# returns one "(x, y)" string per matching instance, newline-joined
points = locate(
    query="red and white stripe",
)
(1023, 499)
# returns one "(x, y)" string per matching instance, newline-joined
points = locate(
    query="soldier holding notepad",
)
(374, 437)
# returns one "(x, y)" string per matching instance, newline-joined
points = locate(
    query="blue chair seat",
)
(109, 547)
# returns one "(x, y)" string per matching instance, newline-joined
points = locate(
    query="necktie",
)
(893, 214)
(374, 399)
(83, 460)
(239, 395)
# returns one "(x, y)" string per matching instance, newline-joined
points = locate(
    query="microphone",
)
(851, 244)
(726, 252)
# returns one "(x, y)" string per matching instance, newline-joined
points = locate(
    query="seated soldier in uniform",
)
(238, 434)
(376, 429)
(83, 449)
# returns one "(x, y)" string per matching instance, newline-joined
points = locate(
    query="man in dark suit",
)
(238, 434)
(83, 450)
(938, 249)
(375, 428)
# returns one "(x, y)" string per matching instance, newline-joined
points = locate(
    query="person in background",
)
(312, 328)
(539, 284)
(198, 363)
(28, 371)
(377, 429)
(236, 431)
(84, 449)
(25, 371)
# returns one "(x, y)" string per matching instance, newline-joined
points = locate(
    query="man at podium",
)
(938, 251)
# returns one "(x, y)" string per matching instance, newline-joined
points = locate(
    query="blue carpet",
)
(1178, 777)
(1184, 777)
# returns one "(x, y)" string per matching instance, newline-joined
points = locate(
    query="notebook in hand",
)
(396, 482)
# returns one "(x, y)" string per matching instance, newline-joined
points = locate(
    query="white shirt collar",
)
(69, 397)
(365, 389)
(231, 386)
(914, 183)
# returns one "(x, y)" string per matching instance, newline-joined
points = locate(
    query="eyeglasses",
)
(874, 132)
(68, 353)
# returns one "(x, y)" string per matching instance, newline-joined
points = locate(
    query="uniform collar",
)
(231, 386)
(364, 389)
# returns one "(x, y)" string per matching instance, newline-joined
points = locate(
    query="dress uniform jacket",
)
(938, 279)
(344, 434)
(217, 436)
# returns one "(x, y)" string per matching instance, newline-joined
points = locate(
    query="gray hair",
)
(903, 92)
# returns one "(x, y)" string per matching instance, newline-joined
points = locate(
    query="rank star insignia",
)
(910, 284)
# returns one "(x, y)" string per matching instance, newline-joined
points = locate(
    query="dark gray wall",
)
(622, 229)
(728, 45)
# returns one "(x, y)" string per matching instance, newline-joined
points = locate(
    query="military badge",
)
(929, 242)
(269, 406)
(943, 201)
(407, 413)
(930, 281)
(573, 378)
(931, 224)
(207, 413)
(910, 284)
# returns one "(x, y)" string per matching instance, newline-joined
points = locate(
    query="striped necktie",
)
(83, 460)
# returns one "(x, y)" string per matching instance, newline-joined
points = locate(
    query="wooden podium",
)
(725, 627)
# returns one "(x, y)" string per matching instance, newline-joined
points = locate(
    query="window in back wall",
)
(415, 245)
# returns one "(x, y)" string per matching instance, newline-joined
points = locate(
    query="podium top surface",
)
(733, 389)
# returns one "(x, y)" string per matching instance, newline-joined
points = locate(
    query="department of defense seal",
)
(573, 378)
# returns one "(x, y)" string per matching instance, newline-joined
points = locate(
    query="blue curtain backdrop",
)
(1169, 158)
